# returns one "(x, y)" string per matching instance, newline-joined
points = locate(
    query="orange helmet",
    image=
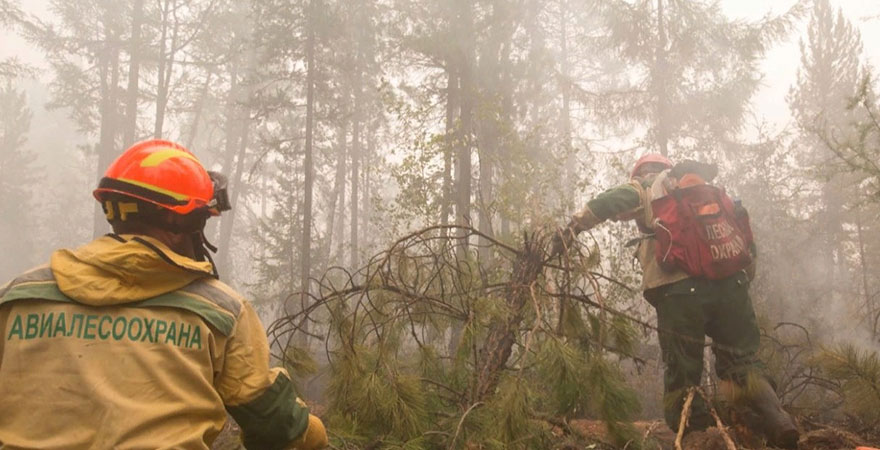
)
(650, 158)
(165, 174)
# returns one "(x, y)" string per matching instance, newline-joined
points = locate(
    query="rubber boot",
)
(779, 427)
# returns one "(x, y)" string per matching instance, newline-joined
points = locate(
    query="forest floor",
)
(593, 435)
(585, 434)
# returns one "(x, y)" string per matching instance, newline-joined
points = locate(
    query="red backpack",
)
(698, 230)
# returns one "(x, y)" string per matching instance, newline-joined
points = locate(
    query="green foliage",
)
(858, 372)
(612, 400)
(509, 416)
(695, 89)
(276, 235)
(368, 391)
(566, 365)
(587, 382)
(18, 179)
(299, 362)
(398, 380)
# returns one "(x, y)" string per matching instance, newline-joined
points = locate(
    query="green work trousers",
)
(687, 312)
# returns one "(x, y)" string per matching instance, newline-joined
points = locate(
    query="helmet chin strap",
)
(194, 227)
(203, 249)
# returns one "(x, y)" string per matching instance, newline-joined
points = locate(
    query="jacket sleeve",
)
(615, 201)
(607, 205)
(261, 400)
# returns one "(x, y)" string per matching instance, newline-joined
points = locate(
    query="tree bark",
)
(107, 141)
(870, 309)
(499, 341)
(464, 62)
(199, 109)
(355, 171)
(366, 202)
(565, 89)
(660, 83)
(463, 135)
(166, 67)
(134, 49)
(231, 148)
(236, 188)
(449, 142)
(306, 243)
(337, 199)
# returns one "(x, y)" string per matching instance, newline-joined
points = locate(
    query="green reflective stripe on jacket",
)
(222, 320)
(274, 419)
(614, 201)
(45, 290)
(208, 289)
(39, 274)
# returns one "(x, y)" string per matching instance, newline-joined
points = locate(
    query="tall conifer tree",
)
(828, 79)
(17, 182)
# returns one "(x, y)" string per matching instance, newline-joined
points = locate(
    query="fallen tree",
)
(534, 342)
(427, 346)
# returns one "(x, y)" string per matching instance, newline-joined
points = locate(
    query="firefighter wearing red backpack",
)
(696, 253)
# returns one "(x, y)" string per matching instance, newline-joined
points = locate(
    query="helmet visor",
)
(220, 201)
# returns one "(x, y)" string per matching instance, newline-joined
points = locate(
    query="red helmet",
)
(650, 158)
(162, 173)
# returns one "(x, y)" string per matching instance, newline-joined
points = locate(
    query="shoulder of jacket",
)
(216, 292)
(40, 275)
(634, 184)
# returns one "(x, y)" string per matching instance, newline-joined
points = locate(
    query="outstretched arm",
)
(610, 204)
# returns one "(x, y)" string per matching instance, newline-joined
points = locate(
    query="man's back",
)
(124, 344)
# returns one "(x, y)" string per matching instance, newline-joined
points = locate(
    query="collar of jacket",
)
(118, 269)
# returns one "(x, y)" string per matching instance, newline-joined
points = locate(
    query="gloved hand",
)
(582, 221)
(561, 241)
(315, 436)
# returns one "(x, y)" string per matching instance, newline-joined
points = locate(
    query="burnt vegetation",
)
(397, 169)
(427, 346)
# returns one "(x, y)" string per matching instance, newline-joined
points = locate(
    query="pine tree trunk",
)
(660, 82)
(499, 341)
(236, 187)
(868, 299)
(831, 227)
(463, 147)
(199, 109)
(306, 242)
(354, 221)
(237, 139)
(340, 222)
(449, 143)
(337, 198)
(166, 69)
(161, 88)
(107, 143)
(485, 197)
(463, 144)
(366, 203)
(232, 140)
(134, 48)
(568, 151)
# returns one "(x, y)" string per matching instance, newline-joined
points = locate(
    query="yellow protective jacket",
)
(125, 344)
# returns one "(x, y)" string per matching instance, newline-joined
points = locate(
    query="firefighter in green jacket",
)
(688, 309)
(131, 341)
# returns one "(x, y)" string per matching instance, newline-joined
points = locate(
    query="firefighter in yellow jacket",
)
(131, 341)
